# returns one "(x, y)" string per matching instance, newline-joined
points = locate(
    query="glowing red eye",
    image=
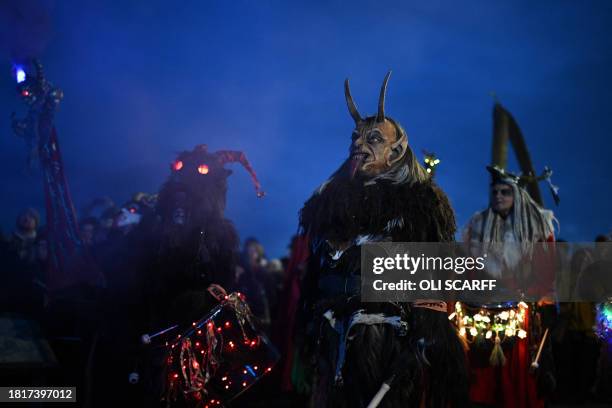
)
(177, 165)
(25, 92)
(203, 169)
(132, 210)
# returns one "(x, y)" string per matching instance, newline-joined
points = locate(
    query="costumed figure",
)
(377, 354)
(192, 244)
(199, 339)
(510, 358)
(70, 262)
(72, 281)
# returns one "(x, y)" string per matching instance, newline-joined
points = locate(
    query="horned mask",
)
(378, 143)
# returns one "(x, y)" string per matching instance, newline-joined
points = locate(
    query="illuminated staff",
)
(42, 98)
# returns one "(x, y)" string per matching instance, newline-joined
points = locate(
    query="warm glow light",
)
(177, 165)
(203, 169)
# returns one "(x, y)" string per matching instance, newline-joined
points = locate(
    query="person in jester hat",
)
(167, 264)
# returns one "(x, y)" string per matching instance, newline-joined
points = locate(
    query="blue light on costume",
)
(250, 370)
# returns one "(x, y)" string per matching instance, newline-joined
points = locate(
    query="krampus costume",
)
(194, 244)
(170, 260)
(380, 193)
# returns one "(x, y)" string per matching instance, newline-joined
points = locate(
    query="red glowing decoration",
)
(25, 92)
(230, 348)
(177, 165)
(203, 169)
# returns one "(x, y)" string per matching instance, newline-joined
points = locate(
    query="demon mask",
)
(197, 185)
(378, 143)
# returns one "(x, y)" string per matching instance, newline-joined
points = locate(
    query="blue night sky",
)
(146, 79)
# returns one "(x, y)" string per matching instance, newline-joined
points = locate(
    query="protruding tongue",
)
(356, 163)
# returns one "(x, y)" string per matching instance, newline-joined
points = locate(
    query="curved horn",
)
(381, 100)
(349, 102)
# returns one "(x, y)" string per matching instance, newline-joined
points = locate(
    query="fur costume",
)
(426, 362)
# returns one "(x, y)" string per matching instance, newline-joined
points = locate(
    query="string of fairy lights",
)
(490, 324)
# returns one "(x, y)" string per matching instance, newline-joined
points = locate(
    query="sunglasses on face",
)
(506, 192)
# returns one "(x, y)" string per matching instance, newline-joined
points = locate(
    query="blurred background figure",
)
(256, 280)
(88, 227)
(24, 234)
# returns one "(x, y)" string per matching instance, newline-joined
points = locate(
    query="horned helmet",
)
(378, 143)
(198, 183)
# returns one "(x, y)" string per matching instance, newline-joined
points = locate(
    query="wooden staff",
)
(535, 363)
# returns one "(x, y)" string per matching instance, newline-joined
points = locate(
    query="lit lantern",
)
(203, 169)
